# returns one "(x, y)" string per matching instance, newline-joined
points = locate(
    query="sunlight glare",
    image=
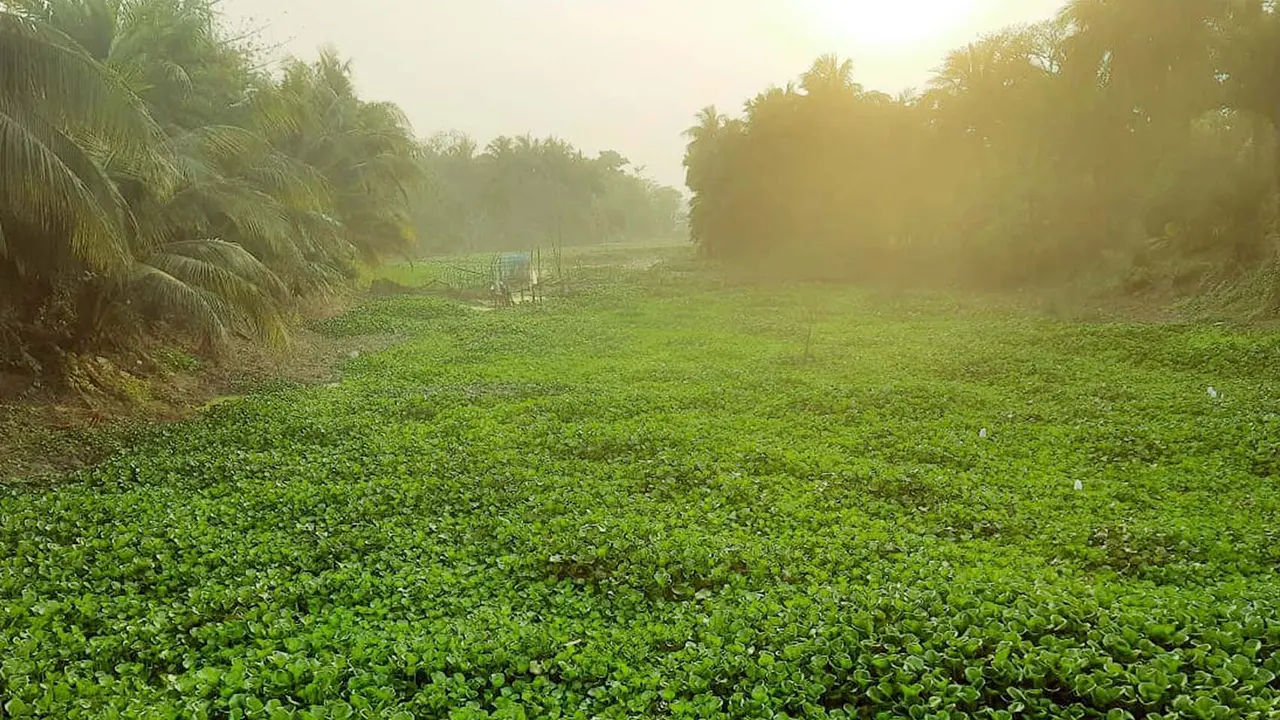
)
(889, 24)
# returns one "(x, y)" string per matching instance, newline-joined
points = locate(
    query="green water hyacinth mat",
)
(674, 499)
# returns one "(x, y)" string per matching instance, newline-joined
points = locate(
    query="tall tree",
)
(1037, 154)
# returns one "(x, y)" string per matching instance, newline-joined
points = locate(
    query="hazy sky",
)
(615, 74)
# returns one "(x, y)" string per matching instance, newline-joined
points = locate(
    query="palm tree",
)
(830, 74)
(710, 122)
(203, 246)
(57, 106)
(771, 101)
(366, 152)
(702, 138)
(189, 217)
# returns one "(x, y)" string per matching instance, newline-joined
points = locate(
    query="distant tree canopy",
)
(1130, 127)
(521, 193)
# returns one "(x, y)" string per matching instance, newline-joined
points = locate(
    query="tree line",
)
(1135, 131)
(151, 174)
(157, 179)
(525, 192)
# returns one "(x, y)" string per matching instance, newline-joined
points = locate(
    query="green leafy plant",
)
(624, 505)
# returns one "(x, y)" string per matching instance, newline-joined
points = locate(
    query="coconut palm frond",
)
(256, 216)
(43, 65)
(74, 154)
(295, 184)
(42, 185)
(234, 258)
(389, 114)
(167, 296)
(190, 273)
(220, 144)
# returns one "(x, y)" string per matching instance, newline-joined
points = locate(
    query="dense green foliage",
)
(149, 172)
(652, 501)
(1138, 131)
(523, 193)
(152, 173)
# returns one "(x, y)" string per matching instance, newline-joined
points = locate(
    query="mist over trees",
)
(523, 192)
(159, 177)
(1142, 132)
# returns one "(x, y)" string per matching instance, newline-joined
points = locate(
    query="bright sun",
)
(889, 24)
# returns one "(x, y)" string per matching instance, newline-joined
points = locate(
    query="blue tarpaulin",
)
(513, 269)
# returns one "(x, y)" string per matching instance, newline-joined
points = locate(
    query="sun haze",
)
(611, 74)
(891, 26)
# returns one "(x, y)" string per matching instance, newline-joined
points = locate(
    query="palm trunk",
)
(1275, 154)
(1275, 196)
(92, 308)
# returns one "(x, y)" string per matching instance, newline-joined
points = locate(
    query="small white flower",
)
(1213, 392)
(983, 434)
(1079, 485)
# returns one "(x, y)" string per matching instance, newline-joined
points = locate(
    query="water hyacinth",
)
(552, 514)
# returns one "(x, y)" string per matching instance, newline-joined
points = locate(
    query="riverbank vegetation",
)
(159, 178)
(1130, 143)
